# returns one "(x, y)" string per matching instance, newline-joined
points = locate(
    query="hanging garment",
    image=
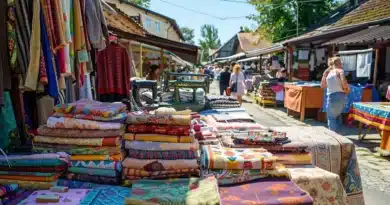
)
(113, 73)
(320, 55)
(86, 90)
(45, 107)
(11, 27)
(7, 121)
(5, 82)
(23, 30)
(364, 61)
(31, 82)
(68, 37)
(96, 24)
(70, 90)
(349, 62)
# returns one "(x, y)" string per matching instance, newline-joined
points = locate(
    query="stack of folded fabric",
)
(37, 171)
(221, 102)
(91, 133)
(236, 165)
(287, 152)
(203, 133)
(187, 95)
(159, 145)
(266, 94)
(219, 127)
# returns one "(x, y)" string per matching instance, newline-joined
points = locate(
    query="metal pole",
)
(140, 60)
(297, 18)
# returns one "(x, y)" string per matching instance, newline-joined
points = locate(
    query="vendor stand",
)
(374, 115)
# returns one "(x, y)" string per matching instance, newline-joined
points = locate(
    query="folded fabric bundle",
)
(233, 125)
(7, 189)
(131, 173)
(162, 177)
(176, 191)
(75, 150)
(209, 142)
(59, 168)
(204, 135)
(114, 157)
(101, 141)
(160, 165)
(235, 176)
(112, 195)
(33, 162)
(262, 136)
(91, 107)
(159, 146)
(219, 97)
(31, 178)
(24, 173)
(121, 117)
(217, 157)
(71, 197)
(100, 164)
(293, 158)
(265, 191)
(59, 132)
(93, 171)
(178, 130)
(166, 155)
(75, 184)
(146, 118)
(28, 184)
(73, 123)
(261, 141)
(233, 117)
(293, 146)
(158, 138)
(94, 178)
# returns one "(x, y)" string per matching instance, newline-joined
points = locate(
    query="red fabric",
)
(61, 60)
(177, 130)
(113, 71)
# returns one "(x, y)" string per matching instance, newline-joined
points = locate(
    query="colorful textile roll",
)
(72, 123)
(94, 178)
(160, 165)
(105, 141)
(59, 168)
(217, 157)
(166, 155)
(59, 132)
(113, 157)
(265, 191)
(28, 184)
(155, 174)
(146, 118)
(104, 164)
(177, 130)
(158, 138)
(159, 146)
(6, 189)
(93, 171)
(176, 191)
(75, 150)
(91, 107)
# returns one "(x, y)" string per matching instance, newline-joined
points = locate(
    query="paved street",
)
(374, 170)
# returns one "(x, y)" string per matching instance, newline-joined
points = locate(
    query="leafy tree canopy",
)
(188, 34)
(143, 3)
(210, 39)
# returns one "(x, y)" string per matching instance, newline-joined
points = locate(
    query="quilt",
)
(155, 174)
(176, 191)
(72, 197)
(166, 155)
(91, 107)
(146, 118)
(112, 195)
(73, 123)
(105, 141)
(177, 130)
(217, 157)
(99, 164)
(160, 165)
(60, 132)
(158, 138)
(75, 150)
(121, 117)
(160, 146)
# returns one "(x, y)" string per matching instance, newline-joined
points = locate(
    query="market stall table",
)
(299, 97)
(375, 115)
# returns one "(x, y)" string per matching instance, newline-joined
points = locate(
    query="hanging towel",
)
(349, 62)
(364, 61)
(86, 89)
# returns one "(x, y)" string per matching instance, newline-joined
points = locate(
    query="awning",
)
(272, 49)
(235, 56)
(376, 34)
(251, 59)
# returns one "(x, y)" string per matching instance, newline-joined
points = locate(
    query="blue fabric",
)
(335, 106)
(113, 195)
(52, 86)
(7, 121)
(375, 95)
(354, 96)
(373, 108)
(221, 111)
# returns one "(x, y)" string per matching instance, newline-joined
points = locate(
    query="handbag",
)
(233, 89)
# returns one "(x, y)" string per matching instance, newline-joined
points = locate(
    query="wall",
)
(166, 29)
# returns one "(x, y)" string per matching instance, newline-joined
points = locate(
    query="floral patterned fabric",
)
(146, 118)
(268, 191)
(324, 187)
(263, 136)
(159, 146)
(160, 129)
(58, 132)
(91, 107)
(121, 117)
(112, 195)
(160, 165)
(106, 141)
(75, 150)
(113, 157)
(140, 174)
(158, 138)
(103, 164)
(168, 155)
(217, 157)
(177, 191)
(72, 197)
(72, 123)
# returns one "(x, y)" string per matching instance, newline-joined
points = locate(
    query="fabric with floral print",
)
(147, 118)
(160, 164)
(58, 132)
(72, 123)
(100, 141)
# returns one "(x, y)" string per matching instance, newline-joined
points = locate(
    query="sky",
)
(226, 28)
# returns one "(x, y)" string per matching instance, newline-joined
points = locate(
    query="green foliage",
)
(143, 3)
(277, 19)
(210, 40)
(188, 34)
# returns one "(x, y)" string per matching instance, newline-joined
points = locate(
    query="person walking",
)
(337, 89)
(237, 83)
(224, 80)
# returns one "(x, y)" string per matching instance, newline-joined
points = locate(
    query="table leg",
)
(302, 118)
(288, 112)
(361, 135)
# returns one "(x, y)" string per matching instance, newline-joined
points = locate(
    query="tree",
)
(143, 3)
(210, 40)
(188, 34)
(277, 19)
(246, 29)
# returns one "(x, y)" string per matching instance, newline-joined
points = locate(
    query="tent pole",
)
(376, 66)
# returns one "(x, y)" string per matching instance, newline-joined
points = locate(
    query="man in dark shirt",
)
(224, 80)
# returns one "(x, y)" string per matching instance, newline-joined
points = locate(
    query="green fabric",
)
(92, 171)
(8, 129)
(113, 195)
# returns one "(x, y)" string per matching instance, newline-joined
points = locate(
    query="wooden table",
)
(298, 98)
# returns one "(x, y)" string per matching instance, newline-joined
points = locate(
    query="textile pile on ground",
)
(265, 94)
(221, 102)
(91, 132)
(159, 145)
(37, 171)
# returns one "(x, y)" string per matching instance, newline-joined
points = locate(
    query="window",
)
(148, 23)
(158, 27)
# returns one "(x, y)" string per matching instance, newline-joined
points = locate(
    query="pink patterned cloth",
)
(72, 197)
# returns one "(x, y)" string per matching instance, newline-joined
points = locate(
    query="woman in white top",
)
(238, 78)
(337, 89)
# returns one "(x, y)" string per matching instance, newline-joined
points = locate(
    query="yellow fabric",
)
(369, 122)
(114, 157)
(31, 81)
(72, 141)
(29, 184)
(158, 138)
(290, 158)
